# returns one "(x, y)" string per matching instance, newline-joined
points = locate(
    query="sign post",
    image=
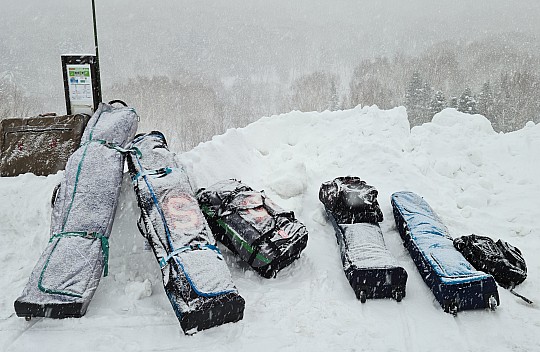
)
(82, 86)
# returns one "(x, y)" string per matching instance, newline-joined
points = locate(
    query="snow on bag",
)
(68, 272)
(264, 235)
(353, 210)
(452, 279)
(195, 275)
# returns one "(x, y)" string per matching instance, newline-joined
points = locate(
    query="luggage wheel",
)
(492, 303)
(28, 318)
(452, 308)
(398, 295)
(362, 296)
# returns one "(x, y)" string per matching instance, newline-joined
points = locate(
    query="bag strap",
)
(165, 260)
(157, 173)
(89, 235)
(520, 296)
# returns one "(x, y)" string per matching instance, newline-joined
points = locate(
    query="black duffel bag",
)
(264, 235)
(500, 259)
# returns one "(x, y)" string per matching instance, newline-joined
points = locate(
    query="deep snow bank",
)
(475, 179)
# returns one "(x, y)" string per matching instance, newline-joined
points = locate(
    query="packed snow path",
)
(478, 181)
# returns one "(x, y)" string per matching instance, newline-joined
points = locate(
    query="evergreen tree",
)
(486, 104)
(333, 104)
(485, 101)
(467, 102)
(438, 103)
(417, 101)
(503, 105)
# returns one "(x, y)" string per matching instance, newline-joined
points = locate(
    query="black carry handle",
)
(118, 101)
(55, 194)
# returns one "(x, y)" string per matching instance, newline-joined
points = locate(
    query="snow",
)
(476, 180)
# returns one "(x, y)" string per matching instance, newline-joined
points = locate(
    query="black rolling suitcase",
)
(353, 210)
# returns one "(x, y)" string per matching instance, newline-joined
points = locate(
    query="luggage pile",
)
(247, 222)
(182, 227)
(196, 279)
(352, 207)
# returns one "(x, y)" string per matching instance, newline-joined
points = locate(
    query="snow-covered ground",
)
(478, 181)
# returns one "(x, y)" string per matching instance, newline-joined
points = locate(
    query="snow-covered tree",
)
(334, 103)
(467, 102)
(485, 101)
(438, 103)
(417, 100)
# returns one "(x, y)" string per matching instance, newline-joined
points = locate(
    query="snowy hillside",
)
(478, 181)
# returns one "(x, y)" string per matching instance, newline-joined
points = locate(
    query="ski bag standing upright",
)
(353, 210)
(68, 272)
(267, 237)
(452, 279)
(195, 275)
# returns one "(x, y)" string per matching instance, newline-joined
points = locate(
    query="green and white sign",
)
(80, 88)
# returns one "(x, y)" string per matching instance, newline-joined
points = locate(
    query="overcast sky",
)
(238, 37)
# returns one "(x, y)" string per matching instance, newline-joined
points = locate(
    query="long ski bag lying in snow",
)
(453, 280)
(353, 210)
(68, 272)
(195, 275)
(267, 237)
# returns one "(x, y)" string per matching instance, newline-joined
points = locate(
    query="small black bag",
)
(351, 200)
(500, 259)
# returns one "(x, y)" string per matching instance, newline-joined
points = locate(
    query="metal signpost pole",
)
(98, 73)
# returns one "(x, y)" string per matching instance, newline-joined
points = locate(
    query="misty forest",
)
(203, 94)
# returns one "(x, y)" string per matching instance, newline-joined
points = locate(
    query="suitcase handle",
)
(47, 114)
(54, 194)
(117, 101)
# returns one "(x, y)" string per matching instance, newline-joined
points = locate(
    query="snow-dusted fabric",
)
(451, 277)
(353, 209)
(264, 235)
(69, 270)
(195, 276)
(366, 248)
